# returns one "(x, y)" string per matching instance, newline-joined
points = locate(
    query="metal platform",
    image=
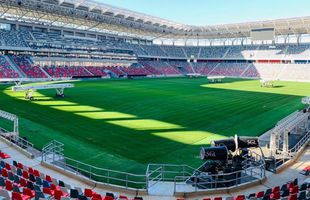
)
(30, 89)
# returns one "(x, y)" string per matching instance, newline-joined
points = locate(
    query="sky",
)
(213, 12)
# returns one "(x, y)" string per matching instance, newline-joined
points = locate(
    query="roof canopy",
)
(93, 16)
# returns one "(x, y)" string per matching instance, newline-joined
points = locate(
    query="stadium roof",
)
(93, 16)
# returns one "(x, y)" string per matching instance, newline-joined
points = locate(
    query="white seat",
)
(54, 180)
(5, 194)
(68, 186)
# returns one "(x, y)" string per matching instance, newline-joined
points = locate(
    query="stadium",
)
(99, 102)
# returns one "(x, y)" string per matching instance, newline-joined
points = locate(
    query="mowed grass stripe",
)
(196, 110)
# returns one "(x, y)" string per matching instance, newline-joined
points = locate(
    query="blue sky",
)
(207, 12)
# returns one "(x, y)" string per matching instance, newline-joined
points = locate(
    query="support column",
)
(273, 144)
(285, 143)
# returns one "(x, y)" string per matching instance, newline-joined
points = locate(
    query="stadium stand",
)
(101, 37)
(213, 52)
(31, 71)
(115, 70)
(6, 71)
(154, 50)
(163, 68)
(183, 67)
(239, 52)
(174, 51)
(251, 72)
(19, 181)
(148, 66)
(204, 68)
(230, 69)
(135, 70)
(97, 71)
(66, 71)
(192, 51)
(11, 38)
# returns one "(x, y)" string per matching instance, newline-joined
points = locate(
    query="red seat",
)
(8, 185)
(97, 196)
(18, 196)
(36, 173)
(54, 187)
(122, 197)
(58, 194)
(108, 198)
(4, 155)
(20, 166)
(206, 199)
(88, 192)
(218, 198)
(30, 170)
(48, 191)
(4, 172)
(8, 166)
(290, 185)
(25, 174)
(275, 195)
(28, 192)
(294, 190)
(292, 197)
(260, 194)
(240, 197)
(48, 178)
(23, 182)
(276, 189)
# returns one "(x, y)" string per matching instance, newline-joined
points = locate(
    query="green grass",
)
(126, 124)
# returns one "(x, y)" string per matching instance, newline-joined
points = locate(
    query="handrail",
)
(300, 143)
(52, 153)
(16, 139)
(212, 179)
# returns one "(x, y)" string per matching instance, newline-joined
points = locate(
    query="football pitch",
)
(127, 124)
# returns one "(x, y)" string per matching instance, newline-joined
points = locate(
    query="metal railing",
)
(166, 172)
(52, 153)
(207, 182)
(180, 175)
(16, 140)
(303, 141)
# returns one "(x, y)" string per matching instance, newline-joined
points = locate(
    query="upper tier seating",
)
(54, 40)
(241, 52)
(154, 50)
(192, 51)
(213, 52)
(138, 50)
(11, 38)
(174, 51)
